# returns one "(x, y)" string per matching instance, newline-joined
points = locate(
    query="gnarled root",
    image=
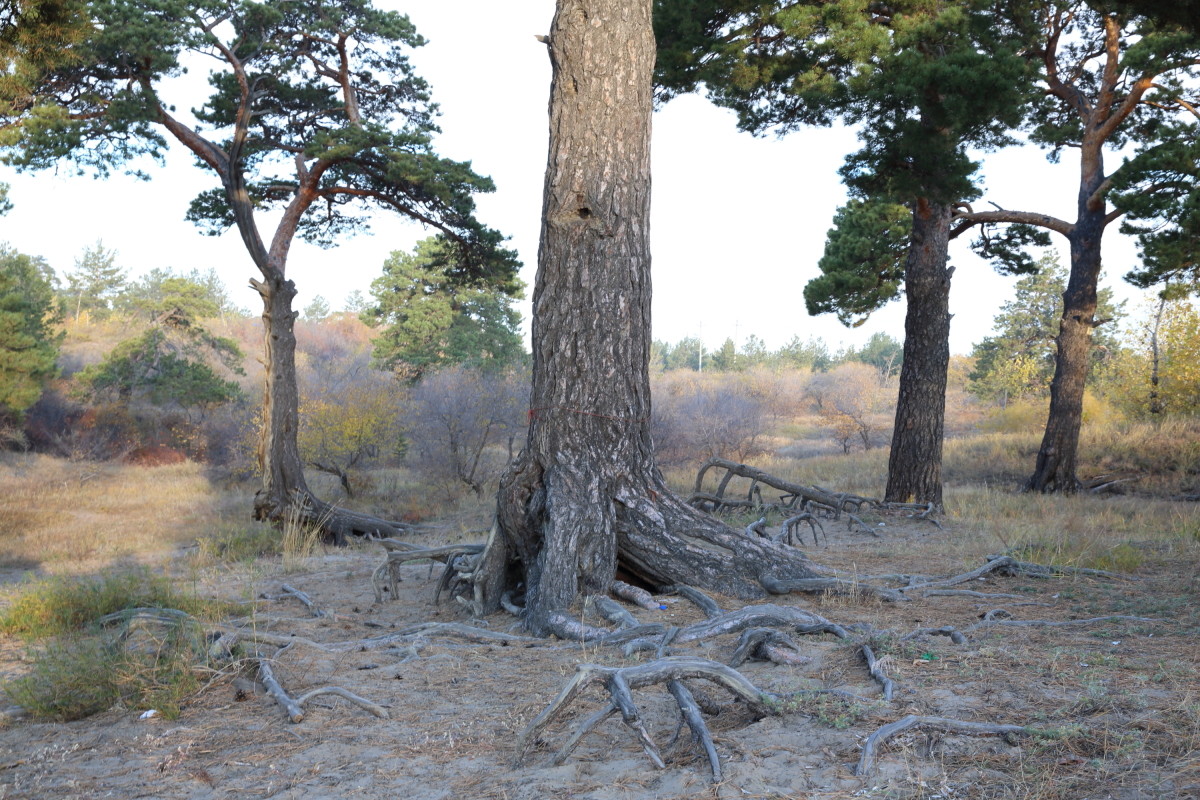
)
(620, 683)
(866, 761)
(387, 574)
(294, 707)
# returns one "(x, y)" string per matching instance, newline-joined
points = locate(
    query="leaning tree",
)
(1107, 80)
(927, 83)
(315, 117)
(584, 497)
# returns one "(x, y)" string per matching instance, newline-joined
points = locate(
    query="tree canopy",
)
(175, 361)
(315, 113)
(29, 313)
(430, 317)
(1018, 358)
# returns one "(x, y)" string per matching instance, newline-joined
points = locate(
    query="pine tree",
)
(29, 314)
(314, 105)
(430, 317)
(95, 284)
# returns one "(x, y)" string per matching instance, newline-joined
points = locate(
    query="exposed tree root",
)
(766, 644)
(833, 586)
(795, 496)
(294, 707)
(620, 683)
(866, 762)
(387, 575)
(878, 668)
(697, 598)
(633, 594)
(1007, 565)
(991, 622)
(289, 591)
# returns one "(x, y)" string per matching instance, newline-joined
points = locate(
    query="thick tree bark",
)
(1056, 459)
(584, 495)
(915, 463)
(279, 461)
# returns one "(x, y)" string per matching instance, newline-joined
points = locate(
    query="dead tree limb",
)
(793, 490)
(788, 528)
(345, 694)
(1055, 623)
(291, 591)
(833, 586)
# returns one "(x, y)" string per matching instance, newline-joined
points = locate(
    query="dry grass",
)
(61, 516)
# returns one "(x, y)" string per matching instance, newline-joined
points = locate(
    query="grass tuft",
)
(62, 605)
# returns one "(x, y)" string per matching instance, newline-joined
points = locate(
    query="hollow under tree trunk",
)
(915, 463)
(584, 495)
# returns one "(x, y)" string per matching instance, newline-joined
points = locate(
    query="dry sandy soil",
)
(1121, 697)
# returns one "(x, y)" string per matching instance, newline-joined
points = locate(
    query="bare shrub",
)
(856, 403)
(464, 425)
(698, 416)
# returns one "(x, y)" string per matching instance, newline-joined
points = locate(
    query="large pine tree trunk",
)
(915, 463)
(1056, 459)
(584, 495)
(279, 461)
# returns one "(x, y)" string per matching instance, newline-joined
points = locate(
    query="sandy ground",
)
(1123, 698)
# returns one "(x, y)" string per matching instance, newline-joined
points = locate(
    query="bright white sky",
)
(738, 222)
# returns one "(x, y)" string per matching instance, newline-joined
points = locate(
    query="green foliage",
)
(432, 315)
(70, 679)
(193, 296)
(350, 416)
(317, 310)
(881, 351)
(1168, 334)
(61, 605)
(142, 661)
(5, 203)
(159, 369)
(925, 79)
(168, 364)
(1159, 190)
(29, 343)
(95, 283)
(279, 117)
(812, 354)
(1018, 360)
(36, 37)
(862, 268)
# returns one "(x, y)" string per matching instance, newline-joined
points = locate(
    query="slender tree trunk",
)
(1156, 402)
(915, 463)
(584, 494)
(278, 452)
(1056, 459)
